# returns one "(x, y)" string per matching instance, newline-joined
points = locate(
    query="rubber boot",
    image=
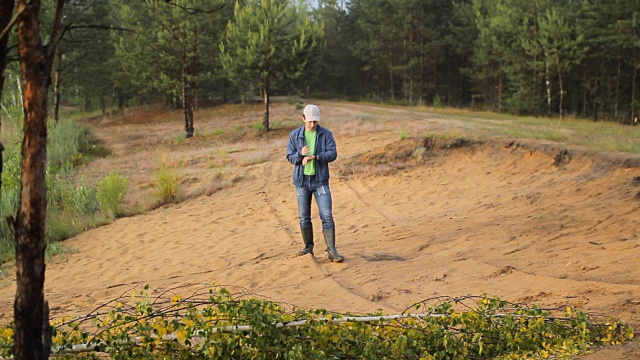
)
(307, 238)
(330, 239)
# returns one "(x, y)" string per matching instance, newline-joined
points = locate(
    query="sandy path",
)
(484, 219)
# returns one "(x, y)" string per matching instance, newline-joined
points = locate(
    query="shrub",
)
(167, 185)
(68, 204)
(403, 134)
(62, 225)
(111, 192)
(89, 147)
(84, 199)
(437, 102)
(63, 144)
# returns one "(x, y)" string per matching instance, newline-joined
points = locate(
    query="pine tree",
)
(267, 45)
(86, 52)
(563, 48)
(169, 48)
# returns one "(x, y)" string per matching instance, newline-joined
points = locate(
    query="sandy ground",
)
(496, 218)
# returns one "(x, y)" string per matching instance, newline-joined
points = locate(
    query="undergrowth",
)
(213, 323)
(72, 204)
(167, 185)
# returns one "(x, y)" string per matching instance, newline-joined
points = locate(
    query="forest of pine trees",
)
(574, 58)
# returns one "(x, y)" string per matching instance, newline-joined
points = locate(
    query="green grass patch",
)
(167, 181)
(596, 135)
(111, 192)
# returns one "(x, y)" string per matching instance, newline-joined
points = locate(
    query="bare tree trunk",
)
(56, 85)
(449, 76)
(192, 84)
(616, 104)
(547, 80)
(187, 109)
(31, 323)
(265, 96)
(585, 97)
(535, 56)
(187, 105)
(405, 73)
(122, 101)
(500, 87)
(381, 84)
(633, 84)
(561, 85)
(436, 75)
(391, 76)
(422, 72)
(595, 93)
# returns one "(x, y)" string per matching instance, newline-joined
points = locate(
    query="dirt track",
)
(508, 218)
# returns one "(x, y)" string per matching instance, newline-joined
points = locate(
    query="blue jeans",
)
(322, 193)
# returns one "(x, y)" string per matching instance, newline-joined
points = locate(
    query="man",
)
(311, 148)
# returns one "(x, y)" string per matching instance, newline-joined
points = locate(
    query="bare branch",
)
(57, 32)
(195, 10)
(102, 27)
(11, 23)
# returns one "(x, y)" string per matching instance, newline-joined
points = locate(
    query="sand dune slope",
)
(494, 218)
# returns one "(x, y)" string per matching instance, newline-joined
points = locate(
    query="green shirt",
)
(310, 138)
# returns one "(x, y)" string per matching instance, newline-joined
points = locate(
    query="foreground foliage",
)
(214, 323)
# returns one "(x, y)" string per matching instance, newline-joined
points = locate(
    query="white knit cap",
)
(311, 113)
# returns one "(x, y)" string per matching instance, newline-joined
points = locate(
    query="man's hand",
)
(306, 159)
(304, 151)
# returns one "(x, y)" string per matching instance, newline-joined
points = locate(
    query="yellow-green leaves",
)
(217, 324)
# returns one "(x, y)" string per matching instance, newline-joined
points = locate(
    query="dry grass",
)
(149, 139)
(251, 158)
(228, 140)
(356, 125)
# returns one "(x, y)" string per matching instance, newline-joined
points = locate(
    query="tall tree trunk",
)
(31, 323)
(381, 85)
(405, 72)
(535, 56)
(460, 89)
(547, 79)
(421, 91)
(122, 100)
(616, 104)
(633, 83)
(187, 105)
(265, 96)
(449, 76)
(391, 76)
(585, 97)
(56, 85)
(187, 109)
(595, 93)
(561, 85)
(500, 87)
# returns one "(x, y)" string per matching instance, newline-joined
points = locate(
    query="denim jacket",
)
(325, 149)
